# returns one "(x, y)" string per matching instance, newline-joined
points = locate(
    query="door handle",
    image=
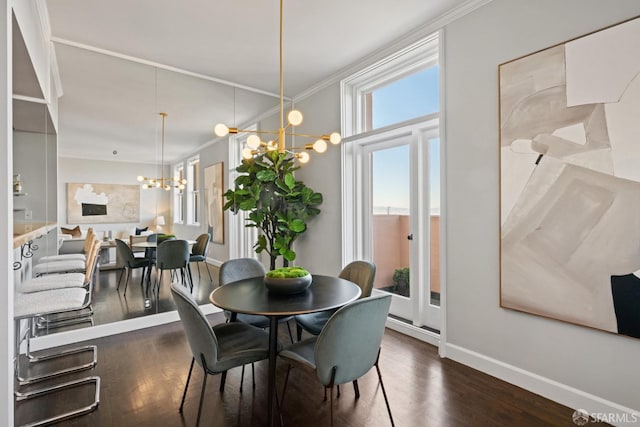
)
(410, 236)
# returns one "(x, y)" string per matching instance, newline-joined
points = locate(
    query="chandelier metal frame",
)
(255, 145)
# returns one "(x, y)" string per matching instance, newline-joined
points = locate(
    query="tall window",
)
(391, 179)
(178, 197)
(193, 191)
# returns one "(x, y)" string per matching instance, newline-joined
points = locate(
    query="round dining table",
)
(250, 296)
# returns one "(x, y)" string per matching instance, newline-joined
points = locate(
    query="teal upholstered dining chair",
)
(246, 268)
(173, 255)
(346, 349)
(219, 348)
(362, 273)
(199, 253)
(130, 262)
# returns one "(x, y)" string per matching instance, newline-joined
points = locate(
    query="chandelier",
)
(255, 145)
(164, 183)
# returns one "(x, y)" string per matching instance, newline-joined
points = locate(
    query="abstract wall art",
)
(570, 181)
(102, 203)
(213, 199)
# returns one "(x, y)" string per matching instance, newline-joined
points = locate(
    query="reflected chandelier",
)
(255, 145)
(164, 183)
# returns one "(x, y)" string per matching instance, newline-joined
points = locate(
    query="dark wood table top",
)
(250, 296)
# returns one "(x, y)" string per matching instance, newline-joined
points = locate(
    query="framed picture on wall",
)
(570, 181)
(213, 199)
(102, 203)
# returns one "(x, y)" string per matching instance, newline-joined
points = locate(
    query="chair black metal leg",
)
(253, 376)
(298, 332)
(338, 390)
(223, 379)
(204, 386)
(126, 283)
(241, 378)
(290, 334)
(284, 388)
(156, 288)
(356, 389)
(142, 278)
(384, 393)
(120, 278)
(184, 394)
(190, 278)
(208, 271)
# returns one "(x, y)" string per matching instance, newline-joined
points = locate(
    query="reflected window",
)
(193, 191)
(178, 197)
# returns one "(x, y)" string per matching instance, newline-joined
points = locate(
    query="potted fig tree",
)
(277, 204)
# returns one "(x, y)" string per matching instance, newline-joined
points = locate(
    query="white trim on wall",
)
(558, 392)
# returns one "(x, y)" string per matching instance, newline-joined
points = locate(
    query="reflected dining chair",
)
(173, 255)
(199, 253)
(130, 262)
(362, 273)
(219, 348)
(346, 349)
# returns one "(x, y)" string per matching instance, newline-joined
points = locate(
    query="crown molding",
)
(114, 54)
(402, 42)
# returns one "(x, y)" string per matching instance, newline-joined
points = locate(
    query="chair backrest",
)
(172, 254)
(92, 260)
(239, 269)
(350, 340)
(124, 252)
(362, 273)
(202, 242)
(201, 337)
(88, 241)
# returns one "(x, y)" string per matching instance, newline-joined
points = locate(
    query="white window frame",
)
(242, 238)
(178, 196)
(193, 194)
(354, 89)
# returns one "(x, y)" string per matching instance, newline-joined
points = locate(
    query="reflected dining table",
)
(250, 296)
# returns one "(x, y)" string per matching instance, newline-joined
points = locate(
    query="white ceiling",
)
(111, 103)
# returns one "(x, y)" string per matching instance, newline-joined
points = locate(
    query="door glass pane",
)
(390, 219)
(434, 220)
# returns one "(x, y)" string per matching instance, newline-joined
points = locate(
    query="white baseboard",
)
(413, 331)
(214, 262)
(613, 413)
(99, 331)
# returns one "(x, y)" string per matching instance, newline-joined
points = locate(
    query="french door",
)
(399, 181)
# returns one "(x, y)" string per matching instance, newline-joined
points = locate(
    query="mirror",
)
(110, 131)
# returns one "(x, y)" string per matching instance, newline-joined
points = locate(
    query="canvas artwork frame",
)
(214, 201)
(92, 203)
(570, 181)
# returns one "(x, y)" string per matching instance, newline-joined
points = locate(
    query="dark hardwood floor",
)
(143, 375)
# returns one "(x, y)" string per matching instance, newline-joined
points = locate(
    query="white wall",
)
(153, 202)
(319, 249)
(510, 344)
